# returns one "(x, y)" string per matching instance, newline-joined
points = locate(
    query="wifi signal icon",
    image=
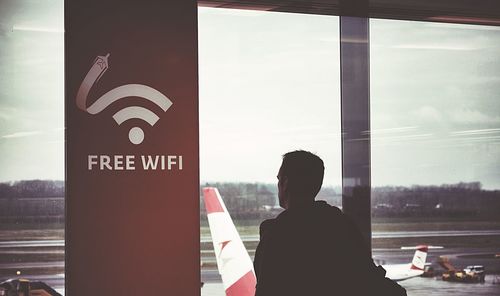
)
(136, 134)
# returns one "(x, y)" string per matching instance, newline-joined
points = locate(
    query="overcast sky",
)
(269, 83)
(31, 90)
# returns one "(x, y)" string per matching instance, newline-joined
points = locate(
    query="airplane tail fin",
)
(233, 261)
(418, 262)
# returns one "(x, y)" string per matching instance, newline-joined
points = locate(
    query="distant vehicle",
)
(400, 272)
(470, 274)
(234, 264)
(26, 287)
(475, 272)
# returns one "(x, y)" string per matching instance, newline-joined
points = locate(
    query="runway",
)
(32, 243)
(475, 256)
(255, 238)
(461, 257)
(31, 265)
(399, 234)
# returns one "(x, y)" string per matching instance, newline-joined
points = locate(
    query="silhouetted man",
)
(312, 248)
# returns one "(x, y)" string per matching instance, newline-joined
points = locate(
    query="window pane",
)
(435, 146)
(269, 84)
(32, 141)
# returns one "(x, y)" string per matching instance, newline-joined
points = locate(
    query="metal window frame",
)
(355, 117)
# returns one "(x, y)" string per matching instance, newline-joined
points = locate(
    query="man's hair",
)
(304, 171)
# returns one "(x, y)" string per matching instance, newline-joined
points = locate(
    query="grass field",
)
(385, 225)
(251, 227)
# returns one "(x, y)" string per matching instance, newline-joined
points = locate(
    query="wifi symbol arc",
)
(136, 134)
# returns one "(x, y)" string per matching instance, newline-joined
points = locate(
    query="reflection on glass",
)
(269, 84)
(435, 149)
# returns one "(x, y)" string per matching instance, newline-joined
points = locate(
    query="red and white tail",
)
(418, 262)
(233, 261)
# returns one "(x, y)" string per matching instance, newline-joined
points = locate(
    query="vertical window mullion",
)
(355, 113)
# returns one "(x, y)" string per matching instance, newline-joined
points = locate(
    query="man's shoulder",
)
(323, 205)
(339, 218)
(322, 210)
(266, 226)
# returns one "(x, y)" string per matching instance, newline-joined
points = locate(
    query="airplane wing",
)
(399, 272)
(233, 261)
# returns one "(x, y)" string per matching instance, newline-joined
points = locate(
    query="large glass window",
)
(435, 153)
(269, 84)
(32, 141)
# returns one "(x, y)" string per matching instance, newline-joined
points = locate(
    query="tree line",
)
(39, 200)
(32, 189)
(257, 200)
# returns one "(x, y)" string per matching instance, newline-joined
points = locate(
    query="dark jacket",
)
(316, 250)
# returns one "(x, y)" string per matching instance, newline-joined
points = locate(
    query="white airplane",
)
(233, 261)
(399, 272)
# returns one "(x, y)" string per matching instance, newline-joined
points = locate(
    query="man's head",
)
(300, 178)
